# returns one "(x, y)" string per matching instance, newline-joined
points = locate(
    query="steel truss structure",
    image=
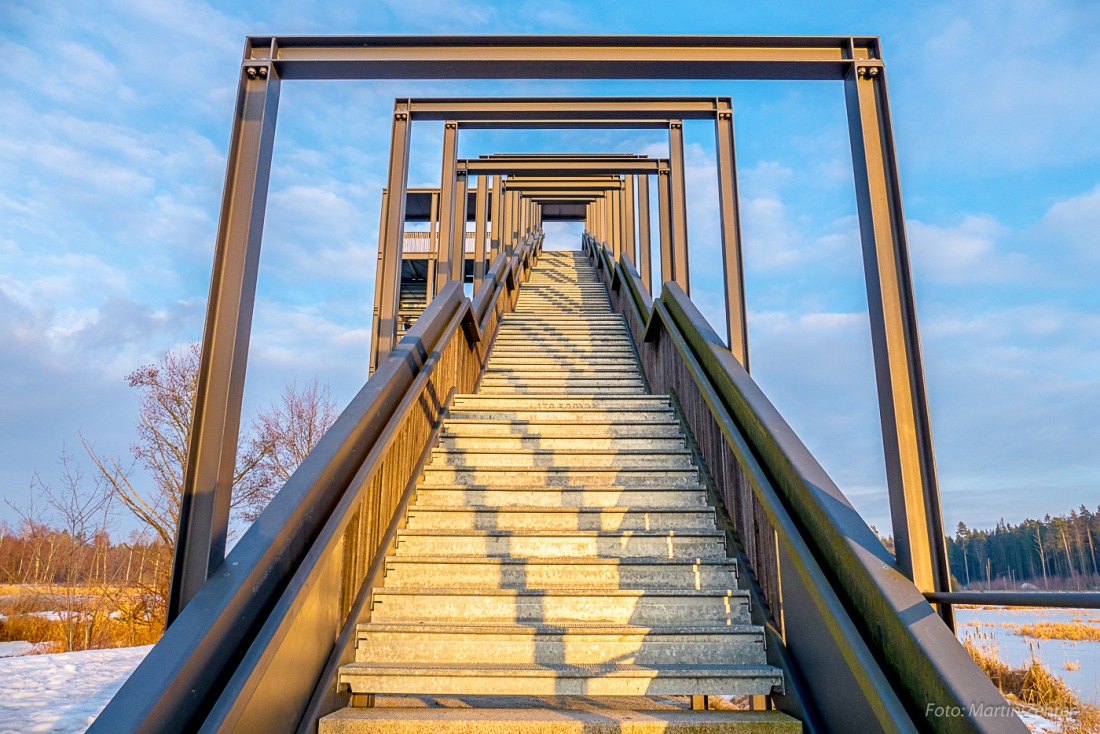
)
(260, 646)
(558, 113)
(857, 61)
(533, 182)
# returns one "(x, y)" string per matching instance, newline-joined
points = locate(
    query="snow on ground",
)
(63, 692)
(1038, 724)
(11, 649)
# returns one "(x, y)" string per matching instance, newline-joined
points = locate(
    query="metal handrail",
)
(838, 582)
(1038, 599)
(254, 649)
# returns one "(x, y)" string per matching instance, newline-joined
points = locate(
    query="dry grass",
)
(1060, 631)
(57, 619)
(1071, 665)
(1035, 688)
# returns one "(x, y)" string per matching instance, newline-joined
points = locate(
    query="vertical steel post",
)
(517, 221)
(903, 404)
(212, 449)
(481, 215)
(645, 247)
(378, 284)
(599, 221)
(458, 234)
(664, 220)
(597, 214)
(496, 219)
(507, 239)
(628, 219)
(606, 237)
(736, 323)
(617, 220)
(433, 247)
(524, 219)
(447, 202)
(386, 333)
(678, 202)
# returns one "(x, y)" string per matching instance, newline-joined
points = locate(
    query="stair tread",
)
(587, 424)
(710, 670)
(611, 510)
(563, 591)
(691, 533)
(564, 628)
(582, 561)
(558, 488)
(662, 400)
(577, 468)
(473, 451)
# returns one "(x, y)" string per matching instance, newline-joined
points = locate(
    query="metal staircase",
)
(560, 542)
(522, 500)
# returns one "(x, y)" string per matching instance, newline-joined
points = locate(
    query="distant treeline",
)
(35, 553)
(1055, 552)
(78, 589)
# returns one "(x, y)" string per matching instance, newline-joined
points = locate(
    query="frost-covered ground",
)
(1039, 724)
(62, 692)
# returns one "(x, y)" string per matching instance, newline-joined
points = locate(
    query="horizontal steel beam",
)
(542, 109)
(565, 196)
(534, 167)
(595, 187)
(1051, 599)
(547, 156)
(562, 57)
(629, 123)
(563, 181)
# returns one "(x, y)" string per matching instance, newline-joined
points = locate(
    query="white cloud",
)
(965, 253)
(1075, 222)
(770, 239)
(1004, 85)
(443, 15)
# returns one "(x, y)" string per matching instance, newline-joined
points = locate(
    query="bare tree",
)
(271, 447)
(85, 515)
(166, 409)
(282, 437)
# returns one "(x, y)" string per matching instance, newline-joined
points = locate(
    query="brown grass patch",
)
(1034, 688)
(1060, 631)
(58, 619)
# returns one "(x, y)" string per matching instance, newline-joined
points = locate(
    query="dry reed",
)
(1060, 631)
(1034, 688)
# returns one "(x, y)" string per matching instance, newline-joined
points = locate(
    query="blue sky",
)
(114, 127)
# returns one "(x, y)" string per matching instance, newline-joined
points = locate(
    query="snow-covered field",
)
(62, 692)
